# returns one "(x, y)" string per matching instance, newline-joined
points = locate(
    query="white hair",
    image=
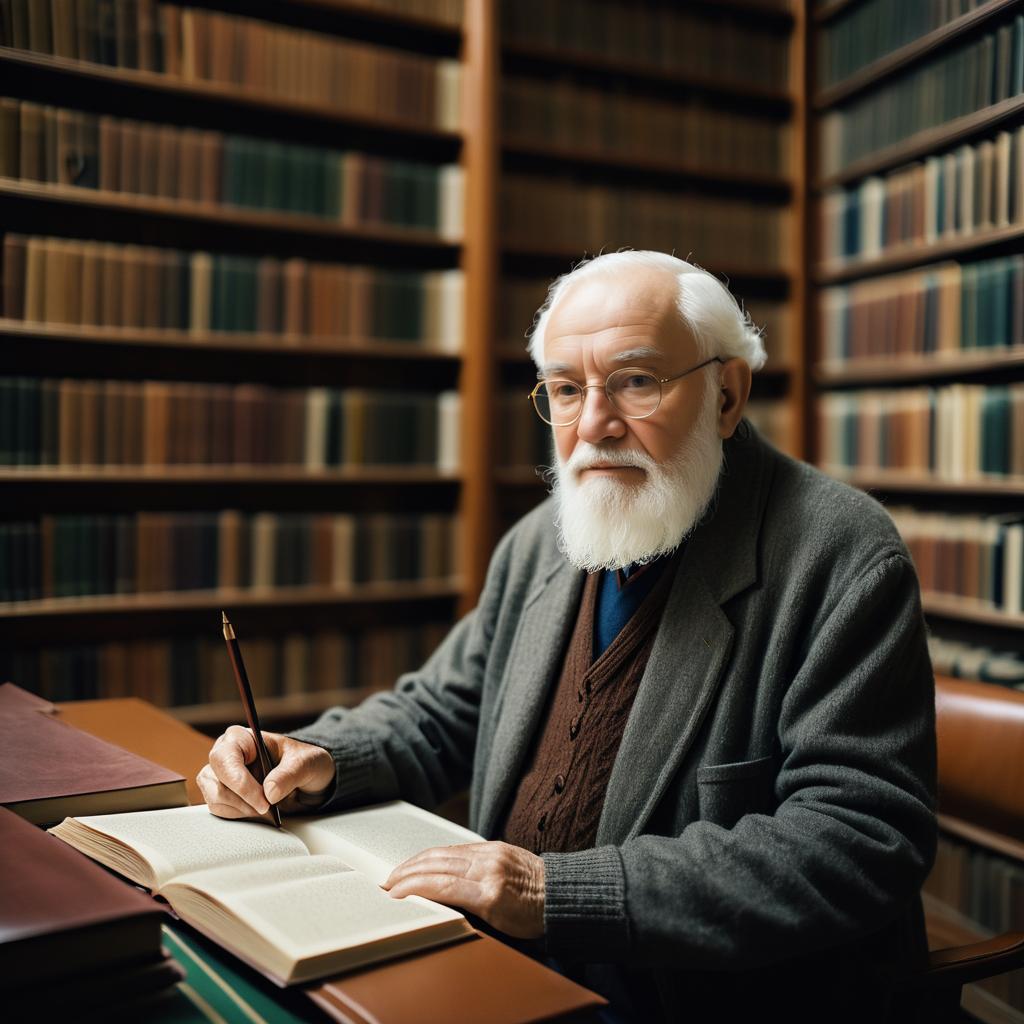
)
(706, 307)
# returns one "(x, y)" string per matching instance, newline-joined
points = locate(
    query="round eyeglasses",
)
(634, 393)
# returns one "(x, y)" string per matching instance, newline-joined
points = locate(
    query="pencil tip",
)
(223, 618)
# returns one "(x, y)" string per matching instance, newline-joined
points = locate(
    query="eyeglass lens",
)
(633, 393)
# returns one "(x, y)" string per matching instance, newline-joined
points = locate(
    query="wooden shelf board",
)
(223, 215)
(909, 256)
(969, 610)
(187, 475)
(924, 142)
(651, 164)
(311, 703)
(223, 92)
(922, 483)
(908, 55)
(885, 370)
(562, 59)
(286, 345)
(170, 601)
(978, 836)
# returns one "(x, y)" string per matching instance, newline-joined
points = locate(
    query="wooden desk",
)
(479, 979)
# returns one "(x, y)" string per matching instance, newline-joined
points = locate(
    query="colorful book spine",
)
(192, 669)
(971, 77)
(60, 556)
(595, 120)
(868, 31)
(976, 557)
(956, 433)
(91, 423)
(257, 58)
(575, 217)
(941, 311)
(100, 284)
(703, 42)
(964, 193)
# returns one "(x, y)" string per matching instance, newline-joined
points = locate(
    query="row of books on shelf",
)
(975, 661)
(260, 59)
(956, 433)
(569, 215)
(193, 669)
(520, 298)
(961, 193)
(939, 310)
(988, 890)
(867, 31)
(56, 145)
(978, 557)
(67, 422)
(687, 132)
(58, 556)
(668, 37)
(67, 281)
(968, 78)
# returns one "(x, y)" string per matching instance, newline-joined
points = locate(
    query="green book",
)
(1018, 56)
(272, 195)
(995, 431)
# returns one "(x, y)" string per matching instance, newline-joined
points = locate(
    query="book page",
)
(282, 912)
(174, 841)
(375, 840)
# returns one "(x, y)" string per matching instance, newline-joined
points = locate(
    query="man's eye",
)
(637, 382)
(563, 389)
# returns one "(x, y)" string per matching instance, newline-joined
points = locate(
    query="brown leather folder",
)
(61, 915)
(50, 769)
(480, 979)
(147, 731)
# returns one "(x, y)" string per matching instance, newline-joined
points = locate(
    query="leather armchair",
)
(981, 799)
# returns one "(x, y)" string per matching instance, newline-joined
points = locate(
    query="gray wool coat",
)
(770, 815)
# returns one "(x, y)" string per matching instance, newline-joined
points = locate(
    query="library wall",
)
(917, 320)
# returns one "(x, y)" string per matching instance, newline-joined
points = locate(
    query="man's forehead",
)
(637, 311)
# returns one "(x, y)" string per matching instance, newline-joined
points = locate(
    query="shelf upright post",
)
(479, 265)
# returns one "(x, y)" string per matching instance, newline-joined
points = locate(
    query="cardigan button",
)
(574, 728)
(559, 783)
(542, 824)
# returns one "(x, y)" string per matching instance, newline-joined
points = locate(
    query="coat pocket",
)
(725, 792)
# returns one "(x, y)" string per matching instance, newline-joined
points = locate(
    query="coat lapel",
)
(531, 669)
(693, 643)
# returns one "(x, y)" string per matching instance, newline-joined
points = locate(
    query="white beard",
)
(604, 523)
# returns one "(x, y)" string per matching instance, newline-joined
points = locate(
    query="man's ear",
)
(735, 390)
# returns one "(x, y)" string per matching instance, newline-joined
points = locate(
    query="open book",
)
(300, 903)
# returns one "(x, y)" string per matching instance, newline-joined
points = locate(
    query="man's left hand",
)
(500, 883)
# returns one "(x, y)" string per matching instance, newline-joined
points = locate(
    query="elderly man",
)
(694, 706)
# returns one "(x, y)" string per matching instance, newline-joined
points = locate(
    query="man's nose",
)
(599, 419)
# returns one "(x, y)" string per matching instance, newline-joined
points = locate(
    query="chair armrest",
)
(960, 965)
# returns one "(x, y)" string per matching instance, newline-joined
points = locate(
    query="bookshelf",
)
(610, 107)
(917, 352)
(369, 174)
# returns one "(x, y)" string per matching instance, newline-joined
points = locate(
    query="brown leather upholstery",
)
(981, 755)
(981, 796)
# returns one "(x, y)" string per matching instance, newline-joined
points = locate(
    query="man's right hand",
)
(230, 789)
